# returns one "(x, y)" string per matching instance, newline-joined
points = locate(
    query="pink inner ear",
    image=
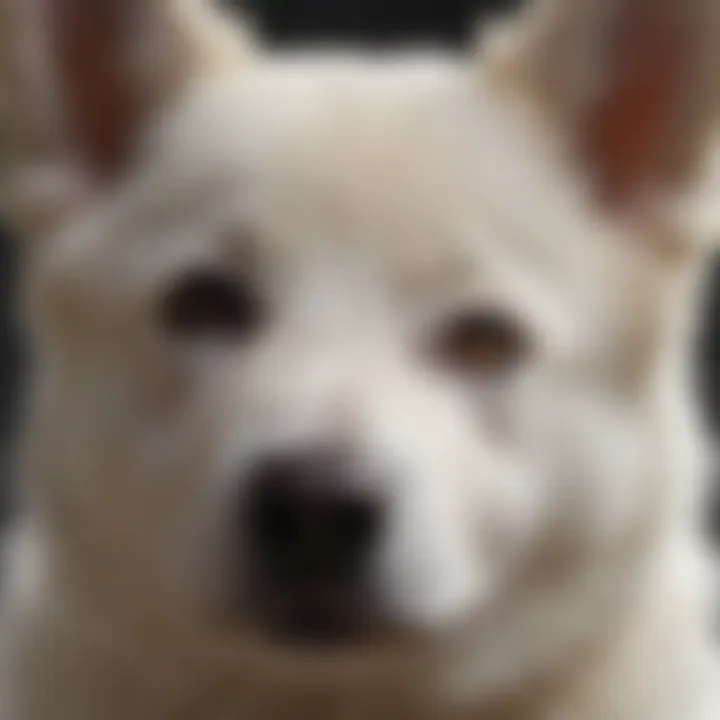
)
(628, 135)
(88, 40)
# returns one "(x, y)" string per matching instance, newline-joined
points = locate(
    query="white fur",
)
(543, 542)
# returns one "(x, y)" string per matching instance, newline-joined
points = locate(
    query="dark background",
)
(357, 21)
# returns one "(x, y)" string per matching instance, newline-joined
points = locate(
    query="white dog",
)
(360, 386)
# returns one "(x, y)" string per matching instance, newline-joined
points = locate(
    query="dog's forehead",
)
(406, 160)
(379, 160)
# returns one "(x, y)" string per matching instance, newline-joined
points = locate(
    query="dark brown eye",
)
(212, 305)
(484, 342)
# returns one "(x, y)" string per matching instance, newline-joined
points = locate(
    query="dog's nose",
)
(312, 520)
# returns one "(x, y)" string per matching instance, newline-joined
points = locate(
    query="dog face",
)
(366, 350)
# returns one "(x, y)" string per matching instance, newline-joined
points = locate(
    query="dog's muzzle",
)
(310, 523)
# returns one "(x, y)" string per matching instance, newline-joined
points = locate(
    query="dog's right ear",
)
(80, 81)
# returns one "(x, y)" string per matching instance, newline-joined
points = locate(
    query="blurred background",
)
(449, 22)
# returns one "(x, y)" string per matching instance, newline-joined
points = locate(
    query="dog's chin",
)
(322, 649)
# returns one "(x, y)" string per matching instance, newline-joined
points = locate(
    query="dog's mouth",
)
(316, 628)
(311, 621)
(319, 645)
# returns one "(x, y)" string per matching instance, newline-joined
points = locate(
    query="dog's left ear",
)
(634, 85)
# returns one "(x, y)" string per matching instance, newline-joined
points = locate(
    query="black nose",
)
(311, 519)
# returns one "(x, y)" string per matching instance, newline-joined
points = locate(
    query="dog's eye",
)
(488, 342)
(207, 304)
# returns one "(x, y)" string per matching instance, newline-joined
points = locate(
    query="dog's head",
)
(333, 349)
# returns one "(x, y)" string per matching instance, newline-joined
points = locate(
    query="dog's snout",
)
(310, 523)
(311, 519)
